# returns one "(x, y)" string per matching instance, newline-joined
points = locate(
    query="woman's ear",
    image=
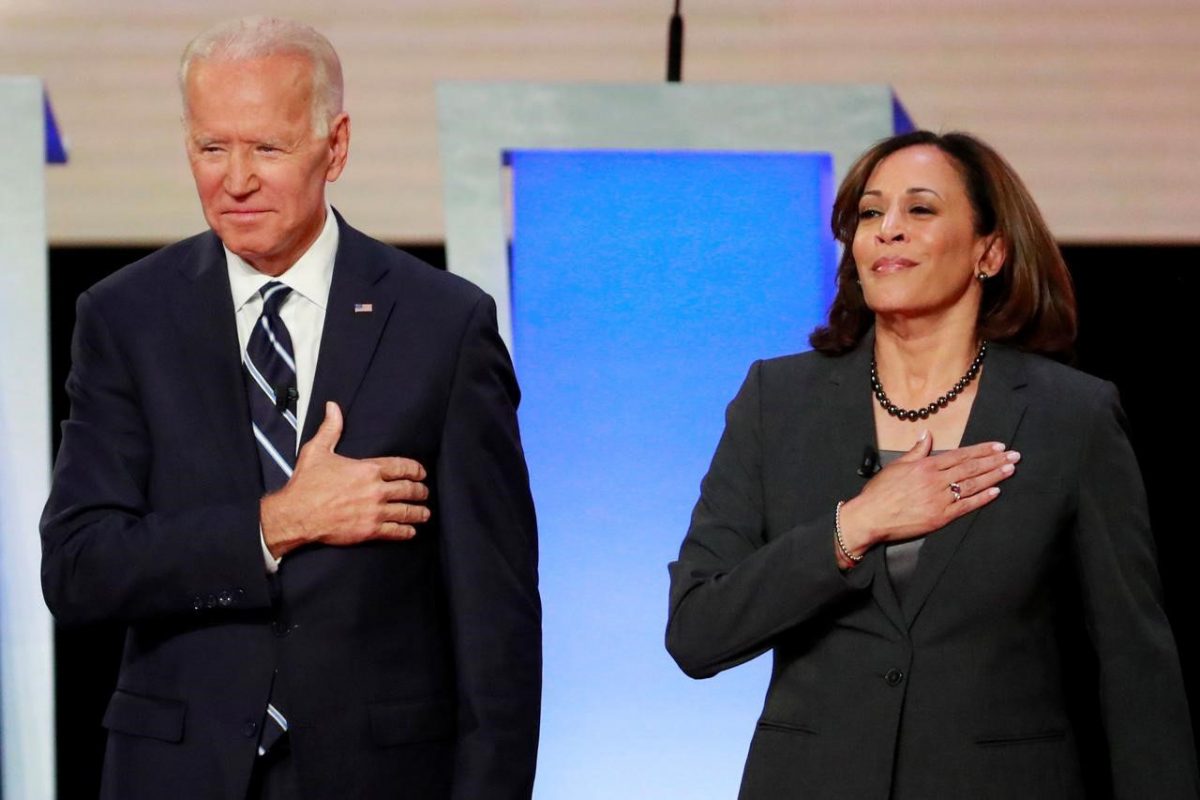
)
(992, 255)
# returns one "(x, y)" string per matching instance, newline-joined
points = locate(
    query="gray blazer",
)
(959, 690)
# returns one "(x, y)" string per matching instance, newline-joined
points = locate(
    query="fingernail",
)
(998, 447)
(995, 490)
(924, 435)
(1008, 469)
(1013, 456)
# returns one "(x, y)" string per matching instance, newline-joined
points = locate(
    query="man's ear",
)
(339, 146)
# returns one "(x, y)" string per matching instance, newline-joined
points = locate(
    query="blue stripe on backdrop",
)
(644, 285)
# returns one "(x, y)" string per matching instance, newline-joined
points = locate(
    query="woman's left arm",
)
(1142, 699)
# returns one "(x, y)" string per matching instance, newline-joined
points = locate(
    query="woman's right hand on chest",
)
(919, 493)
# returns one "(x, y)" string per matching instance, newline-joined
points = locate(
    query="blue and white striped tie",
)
(270, 368)
(274, 727)
(271, 385)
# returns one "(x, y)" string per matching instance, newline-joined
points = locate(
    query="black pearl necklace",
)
(912, 415)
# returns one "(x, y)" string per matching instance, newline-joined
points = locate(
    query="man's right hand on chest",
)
(336, 500)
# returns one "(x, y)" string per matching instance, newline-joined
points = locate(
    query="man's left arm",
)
(489, 557)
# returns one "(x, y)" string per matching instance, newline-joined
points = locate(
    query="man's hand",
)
(340, 501)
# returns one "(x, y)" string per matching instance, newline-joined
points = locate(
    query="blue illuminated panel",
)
(643, 286)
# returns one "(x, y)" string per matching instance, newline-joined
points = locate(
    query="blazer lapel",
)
(358, 310)
(995, 416)
(854, 429)
(206, 332)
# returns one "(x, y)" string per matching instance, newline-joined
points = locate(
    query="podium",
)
(26, 634)
(645, 244)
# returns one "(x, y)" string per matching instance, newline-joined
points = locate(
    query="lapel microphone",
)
(285, 398)
(870, 462)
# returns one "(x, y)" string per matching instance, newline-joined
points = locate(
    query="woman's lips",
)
(891, 264)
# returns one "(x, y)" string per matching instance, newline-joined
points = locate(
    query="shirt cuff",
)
(269, 561)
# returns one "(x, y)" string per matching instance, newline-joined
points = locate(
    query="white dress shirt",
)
(303, 312)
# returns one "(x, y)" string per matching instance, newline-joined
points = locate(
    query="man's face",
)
(259, 168)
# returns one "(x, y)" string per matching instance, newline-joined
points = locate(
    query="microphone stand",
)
(675, 47)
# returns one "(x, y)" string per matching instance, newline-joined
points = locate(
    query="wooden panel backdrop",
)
(1097, 102)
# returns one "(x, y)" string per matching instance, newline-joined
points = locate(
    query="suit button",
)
(226, 599)
(280, 628)
(250, 729)
(197, 603)
(211, 602)
(893, 677)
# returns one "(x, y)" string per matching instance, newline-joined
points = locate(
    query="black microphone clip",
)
(870, 462)
(285, 398)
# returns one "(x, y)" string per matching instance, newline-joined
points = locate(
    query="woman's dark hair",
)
(1029, 303)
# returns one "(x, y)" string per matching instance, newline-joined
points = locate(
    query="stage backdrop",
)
(26, 668)
(643, 286)
(1094, 101)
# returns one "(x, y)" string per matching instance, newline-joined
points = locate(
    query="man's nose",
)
(240, 176)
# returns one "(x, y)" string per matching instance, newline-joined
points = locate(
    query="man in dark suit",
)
(356, 619)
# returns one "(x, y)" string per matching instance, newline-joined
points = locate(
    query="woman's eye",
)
(921, 210)
(868, 213)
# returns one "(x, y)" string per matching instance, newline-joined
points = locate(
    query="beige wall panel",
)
(1097, 103)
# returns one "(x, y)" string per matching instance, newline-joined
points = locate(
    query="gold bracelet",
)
(837, 532)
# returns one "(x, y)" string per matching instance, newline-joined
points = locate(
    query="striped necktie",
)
(271, 386)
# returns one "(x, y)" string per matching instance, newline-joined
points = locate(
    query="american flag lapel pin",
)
(363, 308)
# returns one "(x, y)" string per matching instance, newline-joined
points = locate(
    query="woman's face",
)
(915, 248)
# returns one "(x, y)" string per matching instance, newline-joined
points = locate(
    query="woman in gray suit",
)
(916, 612)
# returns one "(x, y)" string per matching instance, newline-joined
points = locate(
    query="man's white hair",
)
(256, 37)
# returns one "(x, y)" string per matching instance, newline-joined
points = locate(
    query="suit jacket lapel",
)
(359, 306)
(854, 428)
(206, 332)
(995, 416)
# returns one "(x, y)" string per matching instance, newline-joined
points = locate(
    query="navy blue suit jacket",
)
(411, 668)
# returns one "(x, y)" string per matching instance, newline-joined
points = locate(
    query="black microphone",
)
(870, 462)
(675, 47)
(285, 398)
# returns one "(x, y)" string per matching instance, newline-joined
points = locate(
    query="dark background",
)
(1134, 313)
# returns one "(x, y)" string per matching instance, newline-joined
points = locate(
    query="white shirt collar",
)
(310, 276)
